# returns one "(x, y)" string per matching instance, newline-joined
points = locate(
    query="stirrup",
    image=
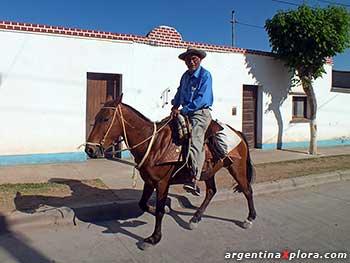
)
(192, 188)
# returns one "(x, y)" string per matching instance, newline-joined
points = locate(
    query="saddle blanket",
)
(227, 138)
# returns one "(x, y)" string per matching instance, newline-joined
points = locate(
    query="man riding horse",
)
(149, 142)
(195, 95)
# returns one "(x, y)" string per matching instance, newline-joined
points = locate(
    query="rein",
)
(123, 121)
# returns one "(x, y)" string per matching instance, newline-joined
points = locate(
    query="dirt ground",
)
(282, 170)
(287, 169)
(64, 192)
(54, 194)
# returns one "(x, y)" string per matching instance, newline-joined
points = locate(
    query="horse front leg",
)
(162, 194)
(210, 192)
(146, 194)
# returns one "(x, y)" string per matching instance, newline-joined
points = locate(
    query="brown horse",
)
(147, 142)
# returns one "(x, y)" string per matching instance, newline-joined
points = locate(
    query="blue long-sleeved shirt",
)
(195, 91)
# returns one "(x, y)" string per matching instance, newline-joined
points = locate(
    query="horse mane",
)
(161, 122)
(137, 112)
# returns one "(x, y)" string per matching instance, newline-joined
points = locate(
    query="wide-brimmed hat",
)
(193, 51)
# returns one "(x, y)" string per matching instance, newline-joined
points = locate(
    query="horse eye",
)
(106, 119)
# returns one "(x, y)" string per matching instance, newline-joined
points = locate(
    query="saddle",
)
(177, 149)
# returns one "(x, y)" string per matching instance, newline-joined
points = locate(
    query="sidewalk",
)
(118, 177)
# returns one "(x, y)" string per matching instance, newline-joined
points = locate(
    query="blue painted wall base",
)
(288, 145)
(10, 160)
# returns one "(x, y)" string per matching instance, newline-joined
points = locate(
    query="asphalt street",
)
(305, 224)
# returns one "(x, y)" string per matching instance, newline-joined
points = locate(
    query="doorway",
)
(249, 120)
(99, 87)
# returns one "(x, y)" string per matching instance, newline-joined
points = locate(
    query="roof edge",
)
(163, 36)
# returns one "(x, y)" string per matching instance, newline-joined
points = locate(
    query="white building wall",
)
(333, 110)
(333, 124)
(43, 82)
(43, 89)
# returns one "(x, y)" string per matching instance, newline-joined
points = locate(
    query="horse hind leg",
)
(210, 192)
(244, 186)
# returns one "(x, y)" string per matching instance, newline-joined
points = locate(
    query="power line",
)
(334, 3)
(234, 21)
(250, 25)
(286, 2)
(321, 1)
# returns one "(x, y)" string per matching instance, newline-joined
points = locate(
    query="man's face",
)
(192, 62)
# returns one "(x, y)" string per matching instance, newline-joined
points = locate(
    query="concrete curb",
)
(126, 209)
(301, 182)
(277, 186)
(121, 210)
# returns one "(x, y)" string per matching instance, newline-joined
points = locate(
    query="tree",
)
(304, 39)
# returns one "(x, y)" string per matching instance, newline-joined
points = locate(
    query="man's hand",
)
(174, 112)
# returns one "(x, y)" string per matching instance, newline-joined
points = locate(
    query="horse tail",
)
(250, 165)
(249, 162)
(250, 169)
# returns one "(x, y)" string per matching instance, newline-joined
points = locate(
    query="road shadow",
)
(116, 218)
(17, 247)
(82, 196)
(186, 203)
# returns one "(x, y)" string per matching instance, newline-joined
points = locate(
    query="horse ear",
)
(119, 99)
(109, 98)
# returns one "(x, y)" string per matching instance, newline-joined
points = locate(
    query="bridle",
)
(100, 144)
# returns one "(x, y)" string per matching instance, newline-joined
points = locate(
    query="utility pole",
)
(233, 22)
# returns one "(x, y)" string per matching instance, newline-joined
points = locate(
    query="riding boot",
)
(192, 187)
(211, 171)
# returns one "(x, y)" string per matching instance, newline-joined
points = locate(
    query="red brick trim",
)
(159, 36)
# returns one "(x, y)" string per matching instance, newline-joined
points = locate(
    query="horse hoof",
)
(247, 224)
(167, 209)
(192, 225)
(144, 245)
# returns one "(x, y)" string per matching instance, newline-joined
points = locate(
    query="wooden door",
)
(249, 113)
(99, 87)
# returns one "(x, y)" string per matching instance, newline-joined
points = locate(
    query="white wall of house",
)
(43, 89)
(43, 80)
(333, 124)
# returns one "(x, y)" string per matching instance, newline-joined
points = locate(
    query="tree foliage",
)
(304, 38)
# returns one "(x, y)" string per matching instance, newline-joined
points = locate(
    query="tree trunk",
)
(307, 86)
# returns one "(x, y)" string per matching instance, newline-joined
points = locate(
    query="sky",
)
(204, 21)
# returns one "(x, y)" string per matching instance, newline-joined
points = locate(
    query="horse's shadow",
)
(113, 222)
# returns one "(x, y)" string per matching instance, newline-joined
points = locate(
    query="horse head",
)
(107, 128)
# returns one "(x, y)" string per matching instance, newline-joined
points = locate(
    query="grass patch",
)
(34, 188)
(57, 192)
(30, 187)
